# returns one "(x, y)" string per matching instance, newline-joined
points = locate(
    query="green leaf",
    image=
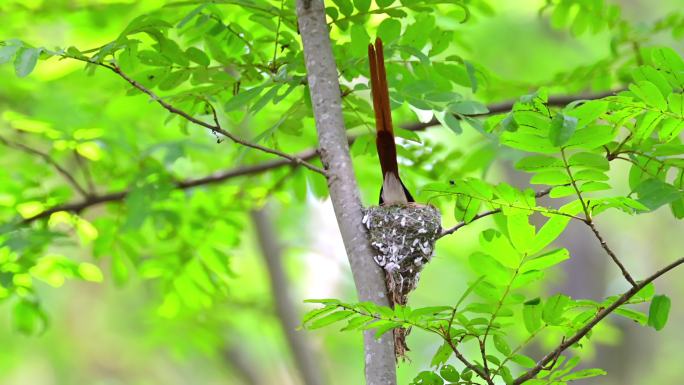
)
(345, 6)
(198, 56)
(551, 178)
(532, 315)
(487, 266)
(428, 378)
(7, 52)
(153, 58)
(501, 345)
(449, 373)
(589, 159)
(588, 112)
(545, 261)
(549, 232)
(676, 103)
(26, 60)
(498, 246)
(634, 315)
(174, 79)
(670, 129)
(449, 121)
(592, 136)
(441, 355)
(523, 360)
(584, 373)
(384, 3)
(554, 308)
(646, 124)
(562, 128)
(659, 311)
(649, 93)
(539, 162)
(383, 326)
(330, 318)
(243, 98)
(520, 231)
(468, 107)
(28, 317)
(389, 30)
(654, 193)
(362, 5)
(359, 40)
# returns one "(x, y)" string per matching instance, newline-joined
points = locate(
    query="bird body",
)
(393, 190)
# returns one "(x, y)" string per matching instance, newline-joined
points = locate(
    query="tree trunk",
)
(286, 309)
(327, 106)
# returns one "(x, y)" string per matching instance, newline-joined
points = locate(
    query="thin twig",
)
(469, 364)
(590, 222)
(277, 35)
(610, 252)
(86, 173)
(48, 159)
(455, 228)
(590, 325)
(214, 128)
(218, 177)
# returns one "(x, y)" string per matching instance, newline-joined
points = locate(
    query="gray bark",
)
(327, 105)
(286, 309)
(241, 364)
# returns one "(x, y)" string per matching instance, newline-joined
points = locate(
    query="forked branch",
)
(566, 343)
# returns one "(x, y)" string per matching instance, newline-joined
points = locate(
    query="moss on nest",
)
(404, 237)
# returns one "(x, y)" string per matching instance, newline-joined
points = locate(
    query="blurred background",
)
(120, 332)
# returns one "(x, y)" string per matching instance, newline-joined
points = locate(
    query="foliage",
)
(235, 69)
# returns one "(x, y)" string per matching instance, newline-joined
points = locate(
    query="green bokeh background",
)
(107, 334)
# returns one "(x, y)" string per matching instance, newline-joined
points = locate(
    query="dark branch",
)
(610, 252)
(218, 177)
(480, 372)
(455, 228)
(216, 128)
(47, 159)
(594, 321)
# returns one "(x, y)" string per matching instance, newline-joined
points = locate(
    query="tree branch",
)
(216, 127)
(218, 177)
(47, 159)
(327, 106)
(455, 228)
(480, 372)
(593, 322)
(506, 106)
(610, 252)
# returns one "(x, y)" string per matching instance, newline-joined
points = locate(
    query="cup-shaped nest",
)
(404, 237)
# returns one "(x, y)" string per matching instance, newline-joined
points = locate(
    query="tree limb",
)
(47, 159)
(218, 177)
(455, 228)
(502, 107)
(327, 106)
(216, 127)
(610, 252)
(590, 325)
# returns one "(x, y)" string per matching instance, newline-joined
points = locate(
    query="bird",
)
(393, 190)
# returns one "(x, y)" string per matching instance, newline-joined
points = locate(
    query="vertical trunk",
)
(327, 106)
(272, 253)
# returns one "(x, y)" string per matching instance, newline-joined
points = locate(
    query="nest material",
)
(404, 237)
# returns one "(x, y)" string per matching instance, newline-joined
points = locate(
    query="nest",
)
(404, 237)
